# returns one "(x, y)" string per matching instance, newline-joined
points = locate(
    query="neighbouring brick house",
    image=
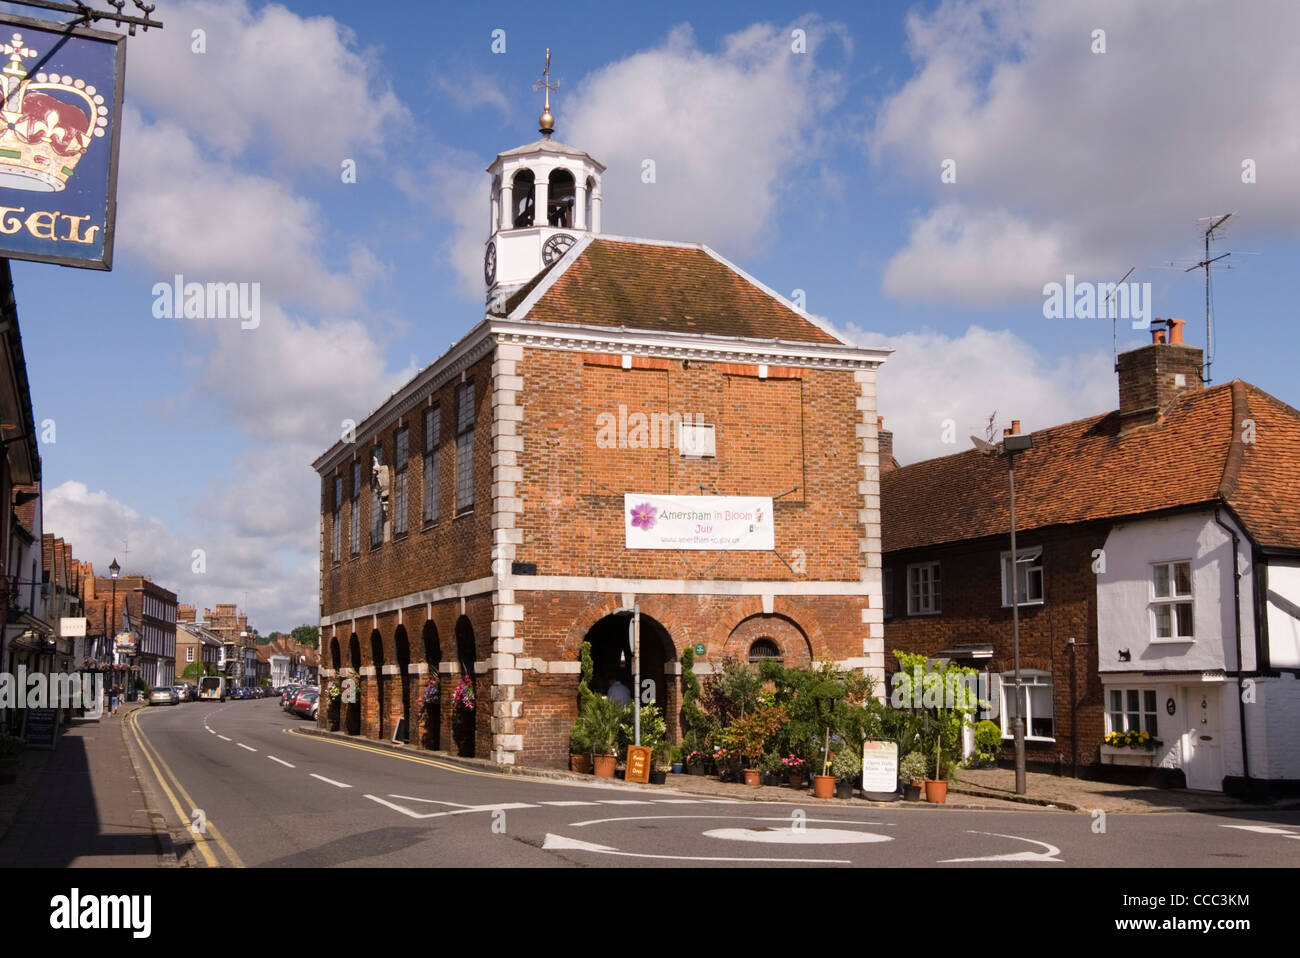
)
(477, 529)
(195, 645)
(1131, 617)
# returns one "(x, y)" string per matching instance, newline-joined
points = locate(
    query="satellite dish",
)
(987, 448)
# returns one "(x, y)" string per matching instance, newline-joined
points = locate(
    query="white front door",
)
(1202, 749)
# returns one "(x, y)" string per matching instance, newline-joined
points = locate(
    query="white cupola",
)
(544, 197)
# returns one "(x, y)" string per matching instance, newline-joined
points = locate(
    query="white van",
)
(212, 688)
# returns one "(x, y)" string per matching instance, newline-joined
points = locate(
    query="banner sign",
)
(698, 522)
(62, 106)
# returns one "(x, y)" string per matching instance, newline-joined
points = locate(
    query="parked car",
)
(305, 706)
(298, 697)
(287, 694)
(182, 693)
(163, 696)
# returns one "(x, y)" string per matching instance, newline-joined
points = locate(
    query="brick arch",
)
(376, 651)
(598, 609)
(796, 650)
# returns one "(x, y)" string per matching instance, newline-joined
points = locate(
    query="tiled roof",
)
(1088, 470)
(664, 288)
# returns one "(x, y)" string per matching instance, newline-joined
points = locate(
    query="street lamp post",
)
(1011, 445)
(113, 571)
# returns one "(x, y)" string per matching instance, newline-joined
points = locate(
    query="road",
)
(266, 796)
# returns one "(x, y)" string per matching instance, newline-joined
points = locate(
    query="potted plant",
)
(751, 733)
(603, 719)
(936, 789)
(824, 784)
(694, 762)
(579, 748)
(654, 736)
(771, 767)
(846, 767)
(911, 772)
(10, 749)
(675, 760)
(988, 740)
(795, 770)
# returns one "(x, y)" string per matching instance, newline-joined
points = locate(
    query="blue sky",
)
(817, 171)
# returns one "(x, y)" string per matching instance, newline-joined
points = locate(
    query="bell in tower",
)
(545, 197)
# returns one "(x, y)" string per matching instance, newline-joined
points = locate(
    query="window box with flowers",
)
(1133, 747)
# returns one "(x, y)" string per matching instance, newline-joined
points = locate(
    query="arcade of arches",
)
(393, 663)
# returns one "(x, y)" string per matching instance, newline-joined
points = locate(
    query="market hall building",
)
(632, 422)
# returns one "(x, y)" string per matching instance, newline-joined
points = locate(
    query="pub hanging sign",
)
(61, 111)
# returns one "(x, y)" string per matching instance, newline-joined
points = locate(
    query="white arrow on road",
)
(560, 843)
(1266, 830)
(1048, 856)
(464, 810)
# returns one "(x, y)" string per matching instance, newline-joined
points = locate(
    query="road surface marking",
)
(1048, 856)
(1266, 830)
(212, 830)
(223, 738)
(788, 836)
(249, 747)
(210, 731)
(176, 806)
(567, 803)
(679, 801)
(465, 810)
(560, 843)
(330, 780)
(624, 801)
(281, 761)
(726, 818)
(429, 801)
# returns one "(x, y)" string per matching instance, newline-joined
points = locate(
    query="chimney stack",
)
(1014, 430)
(885, 443)
(1154, 377)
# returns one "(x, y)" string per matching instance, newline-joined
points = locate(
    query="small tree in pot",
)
(602, 719)
(846, 767)
(911, 772)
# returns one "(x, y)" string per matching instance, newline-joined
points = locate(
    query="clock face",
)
(555, 247)
(490, 264)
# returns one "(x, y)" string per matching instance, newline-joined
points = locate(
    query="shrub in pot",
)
(602, 719)
(911, 772)
(579, 748)
(988, 740)
(846, 767)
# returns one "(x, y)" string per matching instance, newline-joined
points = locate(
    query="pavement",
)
(81, 805)
(1080, 795)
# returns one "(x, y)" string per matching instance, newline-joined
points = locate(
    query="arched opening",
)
(432, 656)
(353, 718)
(611, 659)
(377, 660)
(763, 650)
(336, 659)
(462, 722)
(403, 649)
(559, 199)
(587, 203)
(523, 185)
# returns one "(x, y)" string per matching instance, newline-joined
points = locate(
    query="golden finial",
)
(546, 122)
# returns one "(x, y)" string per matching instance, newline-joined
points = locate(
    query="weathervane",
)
(546, 122)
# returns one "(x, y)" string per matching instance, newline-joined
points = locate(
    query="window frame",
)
(935, 605)
(354, 525)
(1125, 712)
(1029, 679)
(887, 593)
(401, 492)
(429, 505)
(1030, 552)
(336, 534)
(465, 447)
(1173, 600)
(376, 507)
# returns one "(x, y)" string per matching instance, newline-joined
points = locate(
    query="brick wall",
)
(971, 599)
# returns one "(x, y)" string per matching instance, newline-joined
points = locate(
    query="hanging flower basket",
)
(464, 694)
(432, 696)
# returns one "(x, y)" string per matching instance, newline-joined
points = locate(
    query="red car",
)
(296, 699)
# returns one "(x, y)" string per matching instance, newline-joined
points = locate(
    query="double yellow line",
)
(172, 787)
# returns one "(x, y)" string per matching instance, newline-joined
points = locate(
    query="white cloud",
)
(1069, 160)
(279, 593)
(932, 377)
(267, 77)
(470, 90)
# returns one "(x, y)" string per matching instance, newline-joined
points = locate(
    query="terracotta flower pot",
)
(824, 786)
(753, 777)
(605, 765)
(936, 791)
(580, 763)
(795, 779)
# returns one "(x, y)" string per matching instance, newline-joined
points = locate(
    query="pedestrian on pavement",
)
(620, 693)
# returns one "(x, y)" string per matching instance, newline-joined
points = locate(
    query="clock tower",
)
(545, 197)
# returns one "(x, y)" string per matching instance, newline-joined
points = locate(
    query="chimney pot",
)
(1176, 330)
(1015, 427)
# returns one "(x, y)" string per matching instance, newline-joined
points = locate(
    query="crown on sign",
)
(49, 121)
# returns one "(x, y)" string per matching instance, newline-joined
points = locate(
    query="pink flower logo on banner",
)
(643, 516)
